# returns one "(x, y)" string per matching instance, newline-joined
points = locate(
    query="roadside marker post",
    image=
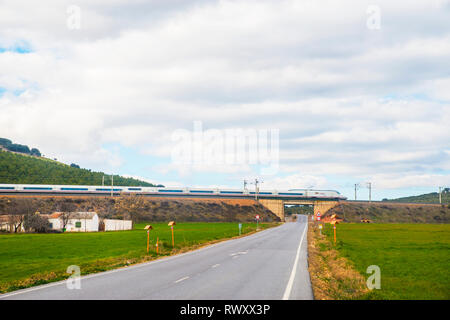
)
(257, 220)
(334, 228)
(240, 228)
(171, 224)
(148, 228)
(320, 229)
(157, 239)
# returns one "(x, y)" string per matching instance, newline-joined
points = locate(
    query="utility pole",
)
(112, 185)
(369, 185)
(356, 186)
(245, 184)
(256, 189)
(103, 181)
(440, 195)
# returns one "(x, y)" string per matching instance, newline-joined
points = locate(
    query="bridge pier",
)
(274, 205)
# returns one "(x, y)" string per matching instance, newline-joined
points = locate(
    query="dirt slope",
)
(144, 208)
(392, 212)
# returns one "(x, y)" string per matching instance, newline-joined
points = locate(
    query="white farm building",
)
(87, 222)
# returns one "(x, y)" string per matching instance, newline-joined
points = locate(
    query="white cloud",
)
(347, 100)
(383, 181)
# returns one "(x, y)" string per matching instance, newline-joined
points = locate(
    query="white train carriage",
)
(166, 191)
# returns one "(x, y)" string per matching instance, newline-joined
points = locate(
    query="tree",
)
(130, 207)
(17, 211)
(19, 148)
(37, 223)
(66, 209)
(35, 152)
(5, 142)
(15, 221)
(73, 165)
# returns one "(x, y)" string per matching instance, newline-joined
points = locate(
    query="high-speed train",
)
(167, 191)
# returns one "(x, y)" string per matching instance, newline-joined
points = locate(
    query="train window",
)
(162, 190)
(233, 192)
(7, 188)
(37, 188)
(290, 194)
(74, 189)
(201, 191)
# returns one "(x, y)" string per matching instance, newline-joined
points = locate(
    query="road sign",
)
(257, 217)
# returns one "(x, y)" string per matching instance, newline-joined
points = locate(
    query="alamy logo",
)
(374, 281)
(74, 19)
(227, 147)
(74, 281)
(374, 19)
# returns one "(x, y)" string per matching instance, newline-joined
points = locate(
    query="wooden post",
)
(148, 228)
(148, 240)
(171, 224)
(173, 242)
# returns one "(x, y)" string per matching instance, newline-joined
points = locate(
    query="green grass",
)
(25, 256)
(414, 258)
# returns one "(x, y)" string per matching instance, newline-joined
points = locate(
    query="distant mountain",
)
(16, 168)
(425, 198)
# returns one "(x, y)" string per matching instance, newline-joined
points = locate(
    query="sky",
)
(321, 94)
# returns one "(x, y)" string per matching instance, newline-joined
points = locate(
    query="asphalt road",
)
(271, 264)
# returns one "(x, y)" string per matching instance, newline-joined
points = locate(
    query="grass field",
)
(414, 258)
(30, 259)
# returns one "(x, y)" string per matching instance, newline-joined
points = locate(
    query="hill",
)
(425, 198)
(23, 169)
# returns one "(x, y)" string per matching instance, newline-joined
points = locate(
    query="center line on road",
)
(288, 290)
(179, 280)
(215, 266)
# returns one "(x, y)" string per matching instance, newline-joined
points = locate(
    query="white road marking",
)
(182, 279)
(235, 257)
(215, 266)
(288, 290)
(238, 253)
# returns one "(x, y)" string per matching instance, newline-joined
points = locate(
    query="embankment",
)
(381, 212)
